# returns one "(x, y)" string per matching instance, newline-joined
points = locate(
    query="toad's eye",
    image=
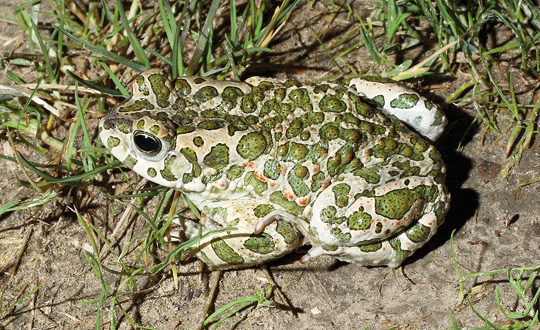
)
(147, 143)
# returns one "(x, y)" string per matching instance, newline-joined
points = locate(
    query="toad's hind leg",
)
(422, 115)
(241, 246)
(378, 224)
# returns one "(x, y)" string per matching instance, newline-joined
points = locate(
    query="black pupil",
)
(147, 143)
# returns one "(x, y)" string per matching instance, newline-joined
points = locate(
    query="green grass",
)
(522, 280)
(120, 41)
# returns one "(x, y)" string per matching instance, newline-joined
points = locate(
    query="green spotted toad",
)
(289, 164)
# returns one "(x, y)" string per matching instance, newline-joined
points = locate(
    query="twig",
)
(210, 299)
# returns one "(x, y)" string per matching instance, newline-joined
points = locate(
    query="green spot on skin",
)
(218, 157)
(440, 211)
(328, 215)
(261, 244)
(265, 85)
(370, 247)
(142, 87)
(317, 118)
(287, 231)
(190, 154)
(359, 220)
(332, 164)
(160, 88)
(204, 94)
(429, 105)
(329, 131)
(340, 236)
(298, 151)
(272, 169)
(317, 178)
(269, 123)
(386, 148)
(418, 233)
(112, 142)
(353, 165)
(440, 118)
(124, 126)
(330, 248)
(211, 113)
(362, 108)
(379, 100)
(198, 141)
(169, 163)
(136, 105)
(331, 103)
(251, 145)
(236, 124)
(396, 203)
(206, 179)
(262, 210)
(292, 82)
(341, 194)
(232, 92)
(211, 124)
(151, 172)
(196, 170)
(185, 129)
(300, 171)
(366, 129)
(351, 119)
(248, 105)
(280, 93)
(321, 88)
(378, 228)
(226, 253)
(351, 135)
(187, 178)
(346, 154)
(405, 101)
(299, 97)
(130, 161)
(235, 171)
(284, 110)
(182, 87)
(317, 152)
(140, 124)
(277, 198)
(283, 150)
(227, 104)
(267, 137)
(257, 92)
(298, 185)
(258, 186)
(406, 151)
(154, 129)
(435, 156)
(295, 128)
(252, 120)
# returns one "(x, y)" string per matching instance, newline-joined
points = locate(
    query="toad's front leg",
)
(241, 246)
